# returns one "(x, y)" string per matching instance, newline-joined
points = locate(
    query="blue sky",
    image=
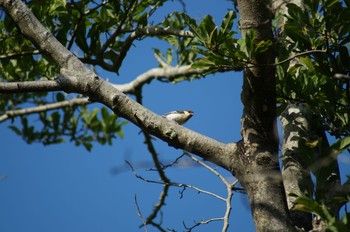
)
(65, 188)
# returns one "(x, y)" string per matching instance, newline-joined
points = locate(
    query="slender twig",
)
(341, 76)
(229, 189)
(181, 185)
(140, 214)
(227, 200)
(159, 167)
(298, 55)
(251, 65)
(223, 180)
(19, 54)
(57, 105)
(202, 222)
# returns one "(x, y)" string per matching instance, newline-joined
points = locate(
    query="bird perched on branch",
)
(179, 116)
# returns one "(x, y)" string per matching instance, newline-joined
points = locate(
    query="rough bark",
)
(261, 174)
(296, 173)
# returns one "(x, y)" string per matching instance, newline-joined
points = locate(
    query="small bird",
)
(179, 116)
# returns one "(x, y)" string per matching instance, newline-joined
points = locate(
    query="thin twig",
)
(140, 214)
(160, 170)
(19, 54)
(223, 180)
(202, 222)
(181, 185)
(298, 55)
(229, 189)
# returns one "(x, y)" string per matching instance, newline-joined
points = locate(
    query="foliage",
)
(324, 212)
(325, 28)
(310, 78)
(219, 49)
(83, 128)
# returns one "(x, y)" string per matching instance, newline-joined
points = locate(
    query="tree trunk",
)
(260, 173)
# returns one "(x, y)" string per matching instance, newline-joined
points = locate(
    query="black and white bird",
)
(179, 116)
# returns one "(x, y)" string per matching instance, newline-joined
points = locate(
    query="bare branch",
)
(298, 55)
(140, 214)
(296, 120)
(163, 177)
(202, 222)
(229, 189)
(227, 200)
(42, 108)
(341, 76)
(169, 73)
(223, 180)
(181, 185)
(29, 86)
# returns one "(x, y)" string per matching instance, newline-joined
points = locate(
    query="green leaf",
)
(226, 24)
(249, 43)
(88, 145)
(340, 146)
(81, 38)
(307, 61)
(263, 46)
(206, 27)
(105, 114)
(16, 130)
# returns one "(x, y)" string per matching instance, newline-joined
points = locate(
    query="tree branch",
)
(168, 183)
(77, 78)
(42, 108)
(167, 71)
(18, 54)
(140, 214)
(29, 86)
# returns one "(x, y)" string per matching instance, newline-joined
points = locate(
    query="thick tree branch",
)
(79, 79)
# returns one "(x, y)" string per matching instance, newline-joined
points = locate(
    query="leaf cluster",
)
(324, 212)
(82, 127)
(219, 51)
(323, 26)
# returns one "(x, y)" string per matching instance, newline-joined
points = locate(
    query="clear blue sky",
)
(65, 188)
